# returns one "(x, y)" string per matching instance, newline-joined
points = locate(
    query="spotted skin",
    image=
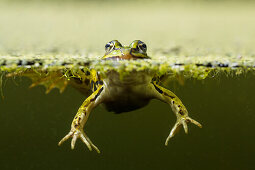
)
(124, 94)
(81, 118)
(178, 108)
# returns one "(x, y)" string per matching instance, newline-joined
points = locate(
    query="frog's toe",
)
(70, 134)
(85, 139)
(181, 121)
(173, 132)
(188, 119)
(75, 134)
(74, 139)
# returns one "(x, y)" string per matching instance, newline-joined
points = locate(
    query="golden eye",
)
(109, 46)
(142, 46)
(112, 45)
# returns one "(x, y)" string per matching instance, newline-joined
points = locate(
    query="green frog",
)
(123, 94)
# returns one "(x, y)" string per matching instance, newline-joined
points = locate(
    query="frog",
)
(121, 94)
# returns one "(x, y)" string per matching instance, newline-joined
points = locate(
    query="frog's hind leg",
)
(81, 118)
(178, 108)
(49, 80)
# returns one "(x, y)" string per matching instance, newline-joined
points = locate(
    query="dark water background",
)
(32, 123)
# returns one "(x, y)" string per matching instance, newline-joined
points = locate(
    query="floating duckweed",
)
(70, 65)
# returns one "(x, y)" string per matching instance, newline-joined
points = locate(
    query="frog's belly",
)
(125, 100)
(123, 94)
(129, 94)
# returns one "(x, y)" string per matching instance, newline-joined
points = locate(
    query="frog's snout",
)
(126, 55)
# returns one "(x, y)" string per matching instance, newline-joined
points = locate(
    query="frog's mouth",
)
(128, 56)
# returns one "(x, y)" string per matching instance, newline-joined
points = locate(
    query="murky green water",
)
(32, 123)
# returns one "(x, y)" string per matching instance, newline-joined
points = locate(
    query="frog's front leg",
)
(178, 108)
(81, 117)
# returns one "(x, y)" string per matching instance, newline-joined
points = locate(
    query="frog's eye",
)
(109, 46)
(112, 45)
(138, 46)
(142, 46)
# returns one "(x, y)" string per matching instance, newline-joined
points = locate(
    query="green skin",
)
(125, 94)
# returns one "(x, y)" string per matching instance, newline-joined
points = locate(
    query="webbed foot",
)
(76, 133)
(182, 120)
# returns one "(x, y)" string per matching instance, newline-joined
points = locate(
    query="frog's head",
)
(136, 50)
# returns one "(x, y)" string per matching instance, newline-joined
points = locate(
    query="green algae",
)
(189, 67)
